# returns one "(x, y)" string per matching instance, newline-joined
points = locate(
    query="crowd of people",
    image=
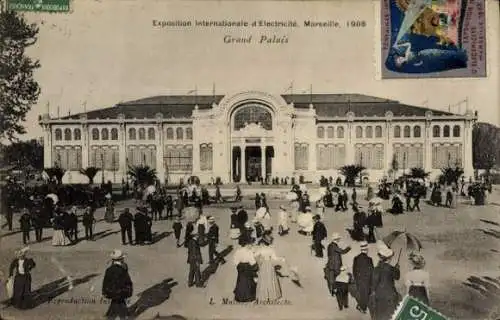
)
(258, 266)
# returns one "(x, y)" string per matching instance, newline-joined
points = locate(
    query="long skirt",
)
(21, 297)
(59, 238)
(268, 285)
(419, 293)
(245, 289)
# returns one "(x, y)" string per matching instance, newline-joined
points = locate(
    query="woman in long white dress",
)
(283, 227)
(268, 284)
(58, 237)
(294, 211)
(320, 208)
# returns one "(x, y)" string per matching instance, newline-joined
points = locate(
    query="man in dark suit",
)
(38, 223)
(213, 240)
(73, 225)
(194, 260)
(117, 286)
(319, 233)
(88, 221)
(125, 220)
(242, 218)
(362, 271)
(334, 261)
(25, 223)
(140, 226)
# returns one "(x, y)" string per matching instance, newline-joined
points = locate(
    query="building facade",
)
(253, 134)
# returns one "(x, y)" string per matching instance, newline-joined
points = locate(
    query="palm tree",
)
(351, 172)
(451, 175)
(55, 172)
(418, 173)
(90, 172)
(143, 175)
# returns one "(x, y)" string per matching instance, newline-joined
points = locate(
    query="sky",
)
(105, 52)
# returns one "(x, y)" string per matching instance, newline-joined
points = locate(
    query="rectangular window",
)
(206, 157)
(301, 156)
(179, 158)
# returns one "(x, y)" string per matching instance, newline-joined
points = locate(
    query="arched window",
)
(369, 132)
(77, 134)
(114, 134)
(189, 133)
(329, 132)
(253, 113)
(67, 134)
(407, 132)
(58, 134)
(320, 132)
(436, 131)
(170, 133)
(151, 134)
(340, 132)
(446, 131)
(95, 134)
(456, 131)
(397, 132)
(378, 132)
(359, 132)
(105, 134)
(132, 134)
(142, 134)
(179, 133)
(417, 132)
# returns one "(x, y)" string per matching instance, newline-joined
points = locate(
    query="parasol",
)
(302, 187)
(191, 213)
(291, 196)
(376, 201)
(412, 242)
(259, 214)
(53, 197)
(150, 189)
(305, 220)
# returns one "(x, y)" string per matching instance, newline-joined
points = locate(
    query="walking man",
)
(318, 234)
(117, 286)
(213, 241)
(194, 260)
(38, 223)
(334, 261)
(88, 223)
(125, 220)
(25, 223)
(362, 269)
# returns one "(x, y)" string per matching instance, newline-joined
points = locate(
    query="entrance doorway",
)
(252, 164)
(253, 161)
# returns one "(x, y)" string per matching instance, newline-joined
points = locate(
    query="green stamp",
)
(39, 5)
(412, 309)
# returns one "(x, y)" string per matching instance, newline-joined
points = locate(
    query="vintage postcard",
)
(433, 38)
(249, 159)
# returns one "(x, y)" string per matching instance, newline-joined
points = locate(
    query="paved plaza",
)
(461, 247)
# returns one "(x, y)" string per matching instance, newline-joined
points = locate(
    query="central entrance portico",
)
(252, 163)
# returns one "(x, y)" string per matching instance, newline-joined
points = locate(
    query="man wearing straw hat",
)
(117, 286)
(384, 297)
(334, 263)
(362, 271)
(20, 275)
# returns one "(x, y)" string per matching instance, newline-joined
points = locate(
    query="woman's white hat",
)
(385, 252)
(117, 254)
(336, 236)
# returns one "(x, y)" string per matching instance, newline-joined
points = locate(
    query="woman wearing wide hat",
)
(268, 285)
(384, 296)
(417, 280)
(20, 272)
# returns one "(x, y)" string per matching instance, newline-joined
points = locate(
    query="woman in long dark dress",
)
(20, 270)
(246, 287)
(384, 297)
(417, 280)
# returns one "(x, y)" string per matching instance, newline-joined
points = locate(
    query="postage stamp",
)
(412, 309)
(433, 38)
(39, 5)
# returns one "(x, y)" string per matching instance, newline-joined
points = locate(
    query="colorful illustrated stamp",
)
(412, 309)
(39, 5)
(433, 38)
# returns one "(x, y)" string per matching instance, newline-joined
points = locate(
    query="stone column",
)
(263, 161)
(428, 147)
(85, 145)
(389, 149)
(243, 164)
(47, 146)
(312, 156)
(160, 167)
(122, 135)
(467, 146)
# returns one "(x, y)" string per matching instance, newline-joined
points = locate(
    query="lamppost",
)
(113, 160)
(102, 168)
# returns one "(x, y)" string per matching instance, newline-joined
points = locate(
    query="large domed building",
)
(252, 134)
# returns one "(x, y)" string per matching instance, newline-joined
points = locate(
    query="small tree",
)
(90, 172)
(351, 172)
(451, 175)
(143, 175)
(418, 173)
(55, 172)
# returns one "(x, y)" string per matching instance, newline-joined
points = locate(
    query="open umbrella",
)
(412, 242)
(54, 197)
